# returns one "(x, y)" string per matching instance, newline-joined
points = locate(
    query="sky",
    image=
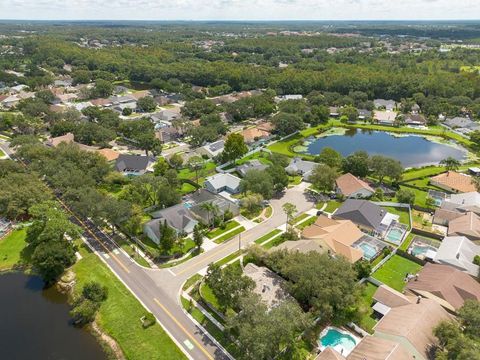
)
(240, 9)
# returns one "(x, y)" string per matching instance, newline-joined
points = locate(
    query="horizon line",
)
(248, 20)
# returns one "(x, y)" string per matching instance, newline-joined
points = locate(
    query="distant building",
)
(388, 105)
(250, 165)
(454, 182)
(134, 164)
(350, 186)
(300, 167)
(213, 149)
(223, 182)
(385, 117)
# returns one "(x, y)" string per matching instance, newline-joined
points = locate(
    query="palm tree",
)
(289, 209)
(210, 208)
(450, 163)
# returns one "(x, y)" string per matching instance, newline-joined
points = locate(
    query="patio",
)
(370, 246)
(423, 248)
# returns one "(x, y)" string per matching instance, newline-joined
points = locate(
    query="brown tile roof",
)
(338, 235)
(100, 102)
(109, 154)
(140, 94)
(414, 322)
(375, 348)
(390, 297)
(329, 354)
(266, 126)
(67, 138)
(447, 285)
(303, 246)
(250, 135)
(268, 285)
(468, 224)
(349, 184)
(454, 180)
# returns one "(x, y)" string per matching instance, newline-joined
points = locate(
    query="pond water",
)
(35, 323)
(410, 150)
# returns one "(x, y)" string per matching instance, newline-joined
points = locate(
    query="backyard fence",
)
(427, 234)
(410, 257)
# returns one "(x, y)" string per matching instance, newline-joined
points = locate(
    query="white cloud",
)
(239, 9)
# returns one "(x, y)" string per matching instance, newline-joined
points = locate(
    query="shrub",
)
(95, 292)
(84, 312)
(148, 320)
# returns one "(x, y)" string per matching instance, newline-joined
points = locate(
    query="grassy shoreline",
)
(118, 317)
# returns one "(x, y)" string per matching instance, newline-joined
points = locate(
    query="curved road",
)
(159, 289)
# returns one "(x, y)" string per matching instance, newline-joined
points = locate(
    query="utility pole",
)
(239, 241)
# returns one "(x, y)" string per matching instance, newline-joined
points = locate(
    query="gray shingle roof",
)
(459, 252)
(126, 162)
(361, 212)
(250, 165)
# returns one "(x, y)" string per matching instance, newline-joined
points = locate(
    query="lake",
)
(35, 323)
(410, 150)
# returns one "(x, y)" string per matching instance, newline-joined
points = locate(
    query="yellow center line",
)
(202, 260)
(207, 354)
(96, 238)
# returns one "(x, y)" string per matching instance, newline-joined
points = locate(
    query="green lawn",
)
(299, 218)
(261, 156)
(208, 169)
(228, 258)
(402, 212)
(307, 222)
(393, 272)
(367, 322)
(229, 235)
(11, 248)
(207, 294)
(275, 242)
(219, 231)
(267, 236)
(187, 188)
(119, 316)
(422, 172)
(407, 242)
(294, 180)
(268, 212)
(332, 205)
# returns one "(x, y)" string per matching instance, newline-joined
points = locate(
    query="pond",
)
(410, 150)
(35, 323)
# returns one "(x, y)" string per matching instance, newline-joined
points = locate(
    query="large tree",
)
(234, 147)
(383, 166)
(257, 181)
(330, 157)
(357, 164)
(286, 124)
(323, 177)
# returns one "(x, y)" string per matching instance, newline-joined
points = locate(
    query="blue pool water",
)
(338, 340)
(410, 150)
(369, 251)
(421, 249)
(395, 235)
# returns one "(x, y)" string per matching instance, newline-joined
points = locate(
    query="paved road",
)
(159, 289)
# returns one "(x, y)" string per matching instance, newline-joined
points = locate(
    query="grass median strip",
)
(120, 315)
(229, 235)
(267, 236)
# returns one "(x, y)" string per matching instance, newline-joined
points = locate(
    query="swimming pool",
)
(421, 250)
(340, 340)
(395, 235)
(369, 251)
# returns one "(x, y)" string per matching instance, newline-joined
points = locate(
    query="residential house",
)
(66, 98)
(101, 102)
(454, 182)
(415, 120)
(459, 122)
(468, 224)
(300, 167)
(469, 201)
(183, 217)
(10, 101)
(388, 105)
(67, 82)
(219, 183)
(350, 186)
(385, 117)
(459, 252)
(137, 95)
(169, 115)
(444, 284)
(18, 88)
(415, 108)
(55, 141)
(364, 114)
(268, 285)
(178, 217)
(167, 133)
(288, 97)
(254, 135)
(405, 331)
(368, 216)
(134, 164)
(334, 236)
(334, 111)
(109, 154)
(250, 165)
(213, 149)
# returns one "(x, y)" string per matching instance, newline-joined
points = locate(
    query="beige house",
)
(350, 186)
(445, 285)
(330, 235)
(454, 182)
(468, 225)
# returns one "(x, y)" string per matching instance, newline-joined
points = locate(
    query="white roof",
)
(459, 252)
(469, 198)
(381, 308)
(219, 181)
(388, 218)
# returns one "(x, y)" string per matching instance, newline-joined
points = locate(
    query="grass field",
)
(119, 316)
(11, 248)
(229, 235)
(393, 272)
(402, 212)
(267, 236)
(367, 322)
(332, 205)
(219, 231)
